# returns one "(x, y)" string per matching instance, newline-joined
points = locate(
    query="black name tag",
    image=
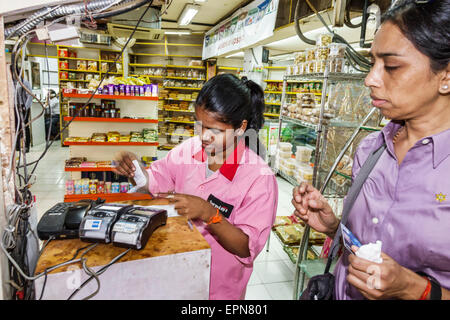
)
(224, 208)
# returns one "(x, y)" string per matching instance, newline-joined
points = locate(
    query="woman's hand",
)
(124, 165)
(313, 209)
(384, 280)
(192, 207)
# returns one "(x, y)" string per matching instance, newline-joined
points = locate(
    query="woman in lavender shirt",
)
(405, 202)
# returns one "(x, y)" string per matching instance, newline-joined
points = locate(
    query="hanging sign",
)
(247, 26)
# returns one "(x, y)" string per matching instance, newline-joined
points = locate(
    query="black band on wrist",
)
(436, 290)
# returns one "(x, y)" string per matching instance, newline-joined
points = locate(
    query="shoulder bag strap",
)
(351, 198)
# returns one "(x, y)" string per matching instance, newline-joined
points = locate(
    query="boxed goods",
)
(63, 64)
(81, 65)
(92, 66)
(64, 75)
(98, 137)
(113, 136)
(63, 52)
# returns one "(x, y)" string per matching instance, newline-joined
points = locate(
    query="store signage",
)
(247, 26)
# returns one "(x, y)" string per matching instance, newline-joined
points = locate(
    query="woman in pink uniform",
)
(220, 180)
(405, 201)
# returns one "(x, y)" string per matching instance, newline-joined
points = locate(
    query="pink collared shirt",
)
(245, 191)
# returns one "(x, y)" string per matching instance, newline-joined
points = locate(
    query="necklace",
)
(397, 134)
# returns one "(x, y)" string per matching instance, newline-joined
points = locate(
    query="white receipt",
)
(371, 252)
(170, 208)
(139, 176)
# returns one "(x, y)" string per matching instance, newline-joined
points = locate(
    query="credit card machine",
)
(134, 228)
(97, 224)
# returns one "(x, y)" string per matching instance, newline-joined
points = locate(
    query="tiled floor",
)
(273, 272)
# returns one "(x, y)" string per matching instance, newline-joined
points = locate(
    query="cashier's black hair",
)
(426, 25)
(234, 100)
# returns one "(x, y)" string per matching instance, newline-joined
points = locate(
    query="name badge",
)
(224, 208)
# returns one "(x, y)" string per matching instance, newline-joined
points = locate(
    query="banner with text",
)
(245, 27)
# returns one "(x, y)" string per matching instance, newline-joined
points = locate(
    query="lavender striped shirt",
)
(406, 206)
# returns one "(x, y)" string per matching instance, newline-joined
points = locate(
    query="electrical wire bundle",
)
(14, 240)
(356, 60)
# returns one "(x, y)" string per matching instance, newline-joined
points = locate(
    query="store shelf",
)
(300, 122)
(75, 70)
(185, 78)
(281, 92)
(147, 65)
(109, 197)
(169, 99)
(178, 134)
(109, 72)
(230, 68)
(280, 68)
(271, 114)
(111, 97)
(177, 110)
(331, 76)
(184, 67)
(176, 121)
(74, 80)
(70, 58)
(146, 76)
(70, 143)
(98, 119)
(182, 88)
(163, 55)
(273, 103)
(111, 61)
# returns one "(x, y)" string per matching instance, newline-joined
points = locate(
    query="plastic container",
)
(310, 55)
(320, 66)
(321, 53)
(123, 187)
(337, 50)
(284, 154)
(70, 187)
(336, 64)
(84, 186)
(115, 187)
(77, 186)
(324, 39)
(303, 154)
(290, 163)
(285, 146)
(108, 187)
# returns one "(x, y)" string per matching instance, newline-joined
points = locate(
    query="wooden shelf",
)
(74, 80)
(109, 197)
(111, 97)
(98, 119)
(149, 144)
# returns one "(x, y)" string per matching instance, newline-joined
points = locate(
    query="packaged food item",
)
(281, 221)
(299, 57)
(72, 54)
(119, 67)
(290, 234)
(115, 187)
(63, 64)
(324, 39)
(70, 187)
(104, 67)
(123, 187)
(303, 154)
(284, 154)
(113, 136)
(321, 53)
(81, 65)
(310, 55)
(92, 66)
(337, 50)
(63, 75)
(92, 187)
(78, 186)
(290, 163)
(101, 187)
(63, 52)
(285, 146)
(108, 187)
(336, 64)
(116, 90)
(320, 66)
(155, 91)
(85, 186)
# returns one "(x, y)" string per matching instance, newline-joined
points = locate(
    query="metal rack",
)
(321, 176)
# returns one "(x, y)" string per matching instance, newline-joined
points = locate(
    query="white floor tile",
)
(280, 290)
(273, 271)
(257, 292)
(254, 279)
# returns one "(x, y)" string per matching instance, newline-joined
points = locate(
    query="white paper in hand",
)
(139, 176)
(371, 252)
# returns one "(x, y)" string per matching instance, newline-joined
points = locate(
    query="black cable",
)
(347, 20)
(297, 26)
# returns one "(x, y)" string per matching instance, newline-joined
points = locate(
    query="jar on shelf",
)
(337, 50)
(321, 53)
(310, 55)
(324, 39)
(320, 66)
(336, 64)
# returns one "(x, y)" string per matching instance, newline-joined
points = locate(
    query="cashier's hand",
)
(313, 209)
(124, 165)
(192, 207)
(384, 280)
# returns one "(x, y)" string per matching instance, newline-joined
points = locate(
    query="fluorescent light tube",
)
(188, 13)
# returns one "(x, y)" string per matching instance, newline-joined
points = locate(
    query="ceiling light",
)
(188, 13)
(178, 32)
(200, 1)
